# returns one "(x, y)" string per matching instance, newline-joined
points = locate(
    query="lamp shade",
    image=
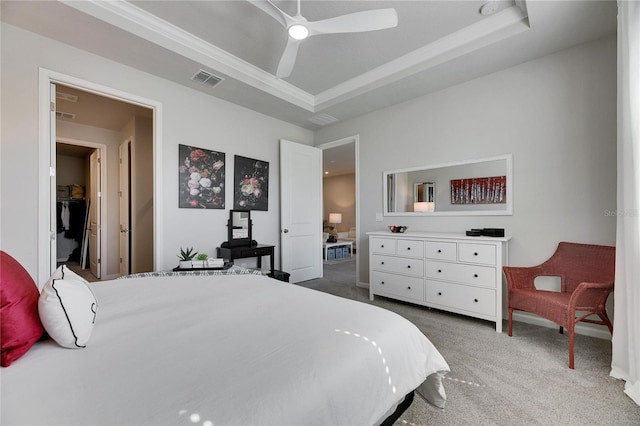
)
(335, 217)
(424, 206)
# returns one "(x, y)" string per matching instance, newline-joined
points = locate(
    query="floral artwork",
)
(251, 178)
(201, 178)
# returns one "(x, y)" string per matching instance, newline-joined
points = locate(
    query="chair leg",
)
(561, 330)
(571, 332)
(510, 322)
(605, 318)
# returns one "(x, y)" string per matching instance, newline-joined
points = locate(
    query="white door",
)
(301, 211)
(53, 220)
(125, 219)
(94, 213)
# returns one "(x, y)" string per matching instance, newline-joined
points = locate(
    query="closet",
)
(72, 179)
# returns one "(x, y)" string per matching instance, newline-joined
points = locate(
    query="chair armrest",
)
(590, 295)
(521, 277)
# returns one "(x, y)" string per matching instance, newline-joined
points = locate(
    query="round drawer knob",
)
(382, 246)
(475, 275)
(381, 282)
(475, 254)
(409, 288)
(439, 270)
(439, 293)
(382, 263)
(439, 251)
(409, 266)
(475, 300)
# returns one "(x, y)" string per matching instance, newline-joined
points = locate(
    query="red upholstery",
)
(586, 271)
(20, 325)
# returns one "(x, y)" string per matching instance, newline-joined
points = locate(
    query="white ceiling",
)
(436, 44)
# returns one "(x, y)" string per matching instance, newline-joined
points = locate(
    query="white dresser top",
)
(435, 235)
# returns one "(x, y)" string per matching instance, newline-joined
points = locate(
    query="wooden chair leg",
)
(561, 330)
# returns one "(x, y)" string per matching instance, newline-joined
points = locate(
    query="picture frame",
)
(201, 178)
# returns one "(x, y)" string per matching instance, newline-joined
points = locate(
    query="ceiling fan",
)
(299, 28)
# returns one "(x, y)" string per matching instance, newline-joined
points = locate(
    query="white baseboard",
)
(598, 331)
(363, 285)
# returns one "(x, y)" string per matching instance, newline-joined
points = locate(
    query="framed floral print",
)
(201, 178)
(251, 179)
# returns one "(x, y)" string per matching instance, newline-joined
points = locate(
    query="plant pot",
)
(198, 263)
(186, 264)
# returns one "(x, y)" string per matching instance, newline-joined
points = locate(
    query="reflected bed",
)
(226, 349)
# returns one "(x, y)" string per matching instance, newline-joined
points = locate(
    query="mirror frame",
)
(507, 211)
(233, 242)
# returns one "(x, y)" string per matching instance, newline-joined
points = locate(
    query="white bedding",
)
(238, 349)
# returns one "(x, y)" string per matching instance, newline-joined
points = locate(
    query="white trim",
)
(104, 252)
(45, 79)
(356, 146)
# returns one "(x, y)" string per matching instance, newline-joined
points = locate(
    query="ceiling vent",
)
(66, 97)
(323, 119)
(206, 78)
(67, 115)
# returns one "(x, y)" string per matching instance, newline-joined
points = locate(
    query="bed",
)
(225, 349)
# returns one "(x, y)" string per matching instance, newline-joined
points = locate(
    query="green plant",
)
(202, 256)
(187, 254)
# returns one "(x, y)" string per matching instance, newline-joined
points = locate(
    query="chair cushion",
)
(20, 325)
(551, 305)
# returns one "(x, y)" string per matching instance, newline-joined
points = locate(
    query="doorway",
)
(90, 126)
(340, 209)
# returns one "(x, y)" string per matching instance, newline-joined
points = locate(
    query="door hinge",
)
(52, 106)
(99, 194)
(52, 171)
(120, 260)
(99, 261)
(52, 236)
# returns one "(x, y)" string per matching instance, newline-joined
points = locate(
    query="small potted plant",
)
(186, 257)
(201, 260)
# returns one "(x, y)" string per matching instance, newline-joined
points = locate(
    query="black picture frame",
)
(201, 175)
(251, 184)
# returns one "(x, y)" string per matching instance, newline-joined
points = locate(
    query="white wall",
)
(189, 117)
(339, 196)
(556, 115)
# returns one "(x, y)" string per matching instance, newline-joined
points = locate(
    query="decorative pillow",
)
(67, 308)
(20, 325)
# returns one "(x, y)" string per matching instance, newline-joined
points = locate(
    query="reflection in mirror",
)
(473, 187)
(239, 227)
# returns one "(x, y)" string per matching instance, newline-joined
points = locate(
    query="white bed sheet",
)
(223, 350)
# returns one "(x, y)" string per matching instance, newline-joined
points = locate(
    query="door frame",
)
(102, 148)
(46, 145)
(355, 139)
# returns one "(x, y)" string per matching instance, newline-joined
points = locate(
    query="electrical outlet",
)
(379, 217)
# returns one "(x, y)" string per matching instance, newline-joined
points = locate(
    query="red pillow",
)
(20, 325)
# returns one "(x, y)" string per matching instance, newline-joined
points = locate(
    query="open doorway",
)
(340, 210)
(90, 131)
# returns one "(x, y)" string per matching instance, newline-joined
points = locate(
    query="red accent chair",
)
(586, 272)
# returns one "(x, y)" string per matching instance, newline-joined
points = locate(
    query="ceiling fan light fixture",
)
(298, 31)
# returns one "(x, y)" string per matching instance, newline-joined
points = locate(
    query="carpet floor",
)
(500, 380)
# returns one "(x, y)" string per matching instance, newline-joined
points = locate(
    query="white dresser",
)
(451, 272)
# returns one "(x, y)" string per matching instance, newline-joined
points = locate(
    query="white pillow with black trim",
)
(67, 308)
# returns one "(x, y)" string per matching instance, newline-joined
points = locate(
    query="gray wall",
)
(556, 115)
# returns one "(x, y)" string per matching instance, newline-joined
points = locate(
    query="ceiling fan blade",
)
(272, 10)
(288, 59)
(368, 20)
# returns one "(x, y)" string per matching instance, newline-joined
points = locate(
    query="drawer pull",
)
(475, 300)
(382, 263)
(381, 245)
(408, 248)
(439, 270)
(475, 254)
(439, 293)
(381, 282)
(475, 275)
(439, 251)
(409, 288)
(409, 266)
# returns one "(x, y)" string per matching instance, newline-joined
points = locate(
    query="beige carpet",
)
(500, 380)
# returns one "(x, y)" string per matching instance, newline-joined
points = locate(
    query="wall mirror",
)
(472, 188)
(239, 228)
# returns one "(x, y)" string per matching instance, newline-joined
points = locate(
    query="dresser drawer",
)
(410, 248)
(440, 250)
(483, 276)
(398, 265)
(470, 299)
(398, 286)
(477, 253)
(383, 245)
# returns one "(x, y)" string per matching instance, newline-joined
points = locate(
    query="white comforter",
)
(236, 349)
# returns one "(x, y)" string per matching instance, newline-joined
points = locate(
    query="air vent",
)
(323, 119)
(66, 97)
(67, 115)
(206, 78)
